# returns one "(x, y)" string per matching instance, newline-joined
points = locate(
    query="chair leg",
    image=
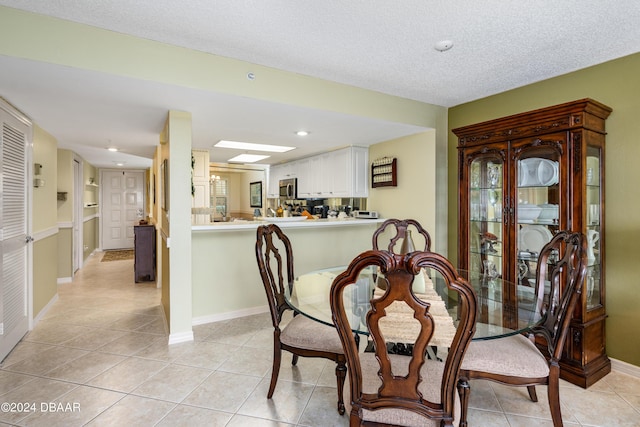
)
(294, 360)
(532, 393)
(464, 389)
(341, 374)
(275, 369)
(553, 393)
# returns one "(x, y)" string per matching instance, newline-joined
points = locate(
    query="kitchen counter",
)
(284, 223)
(225, 276)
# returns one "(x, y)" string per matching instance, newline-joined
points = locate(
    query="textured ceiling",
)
(379, 44)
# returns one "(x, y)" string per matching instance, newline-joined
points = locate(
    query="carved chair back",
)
(398, 229)
(396, 390)
(275, 263)
(562, 264)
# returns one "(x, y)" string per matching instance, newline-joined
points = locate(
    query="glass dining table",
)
(496, 317)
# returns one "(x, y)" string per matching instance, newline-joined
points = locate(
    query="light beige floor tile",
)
(479, 417)
(633, 400)
(10, 381)
(600, 409)
(94, 339)
(322, 410)
(131, 343)
(245, 421)
(36, 392)
(161, 351)
(191, 416)
(205, 354)
(230, 333)
(328, 376)
(127, 375)
(249, 362)
(620, 383)
(133, 411)
(263, 339)
(156, 326)
(223, 391)
(131, 322)
(287, 404)
(46, 360)
(483, 397)
(84, 368)
(307, 370)
(84, 404)
(515, 400)
(522, 421)
(54, 332)
(24, 350)
(173, 383)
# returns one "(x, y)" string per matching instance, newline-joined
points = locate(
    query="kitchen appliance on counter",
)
(365, 214)
(288, 188)
(321, 210)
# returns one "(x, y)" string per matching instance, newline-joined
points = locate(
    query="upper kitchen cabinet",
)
(278, 172)
(200, 178)
(523, 178)
(340, 173)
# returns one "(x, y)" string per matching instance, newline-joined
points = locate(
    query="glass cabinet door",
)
(593, 207)
(486, 200)
(536, 210)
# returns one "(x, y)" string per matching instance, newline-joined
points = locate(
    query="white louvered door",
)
(14, 238)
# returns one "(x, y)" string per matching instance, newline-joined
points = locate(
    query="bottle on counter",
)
(279, 211)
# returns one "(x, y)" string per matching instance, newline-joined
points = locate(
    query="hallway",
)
(100, 357)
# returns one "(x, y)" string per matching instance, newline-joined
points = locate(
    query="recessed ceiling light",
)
(302, 133)
(247, 158)
(112, 149)
(254, 147)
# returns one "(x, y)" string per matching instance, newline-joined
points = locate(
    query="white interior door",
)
(14, 229)
(122, 207)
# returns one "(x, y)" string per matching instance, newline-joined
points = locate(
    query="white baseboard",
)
(625, 368)
(44, 311)
(229, 315)
(62, 280)
(180, 337)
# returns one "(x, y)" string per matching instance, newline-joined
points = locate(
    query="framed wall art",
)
(255, 194)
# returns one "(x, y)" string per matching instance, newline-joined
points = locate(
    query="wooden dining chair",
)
(301, 336)
(400, 231)
(403, 390)
(516, 360)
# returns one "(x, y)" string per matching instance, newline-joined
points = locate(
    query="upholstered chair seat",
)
(514, 356)
(302, 332)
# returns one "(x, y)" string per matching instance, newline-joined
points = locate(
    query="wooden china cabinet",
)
(521, 179)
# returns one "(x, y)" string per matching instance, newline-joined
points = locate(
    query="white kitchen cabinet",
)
(200, 179)
(340, 173)
(275, 173)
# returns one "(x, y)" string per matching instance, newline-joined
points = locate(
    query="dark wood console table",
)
(145, 253)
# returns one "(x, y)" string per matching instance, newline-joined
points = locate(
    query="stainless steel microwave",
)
(289, 188)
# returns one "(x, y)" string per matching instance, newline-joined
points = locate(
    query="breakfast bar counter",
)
(284, 223)
(225, 277)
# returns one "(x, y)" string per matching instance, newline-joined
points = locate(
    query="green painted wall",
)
(65, 248)
(65, 184)
(45, 266)
(90, 236)
(44, 198)
(45, 272)
(616, 84)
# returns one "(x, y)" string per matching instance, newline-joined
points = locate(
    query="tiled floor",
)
(100, 357)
